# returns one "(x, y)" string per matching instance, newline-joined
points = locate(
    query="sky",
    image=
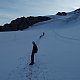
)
(11, 9)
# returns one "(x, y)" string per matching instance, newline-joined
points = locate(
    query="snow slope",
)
(58, 57)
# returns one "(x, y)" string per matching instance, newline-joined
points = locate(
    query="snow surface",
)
(58, 57)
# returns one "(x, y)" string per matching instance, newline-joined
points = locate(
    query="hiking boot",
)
(31, 63)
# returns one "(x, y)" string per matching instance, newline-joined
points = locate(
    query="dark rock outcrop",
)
(23, 23)
(77, 10)
(61, 13)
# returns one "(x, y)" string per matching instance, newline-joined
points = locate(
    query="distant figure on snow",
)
(34, 50)
(42, 35)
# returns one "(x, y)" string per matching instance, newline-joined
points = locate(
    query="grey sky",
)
(12, 9)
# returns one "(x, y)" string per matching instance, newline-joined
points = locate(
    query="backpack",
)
(35, 48)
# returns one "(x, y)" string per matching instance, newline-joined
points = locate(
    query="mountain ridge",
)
(26, 22)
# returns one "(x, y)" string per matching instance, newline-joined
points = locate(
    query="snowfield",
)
(58, 57)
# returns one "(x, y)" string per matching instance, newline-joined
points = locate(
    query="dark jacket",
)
(35, 48)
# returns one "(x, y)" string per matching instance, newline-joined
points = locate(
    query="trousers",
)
(32, 58)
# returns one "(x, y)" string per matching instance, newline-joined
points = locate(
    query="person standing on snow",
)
(42, 35)
(34, 50)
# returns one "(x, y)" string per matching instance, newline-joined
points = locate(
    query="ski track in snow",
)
(66, 37)
(24, 71)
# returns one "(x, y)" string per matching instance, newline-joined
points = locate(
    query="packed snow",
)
(58, 57)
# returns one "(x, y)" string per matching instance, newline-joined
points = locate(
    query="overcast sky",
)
(11, 9)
